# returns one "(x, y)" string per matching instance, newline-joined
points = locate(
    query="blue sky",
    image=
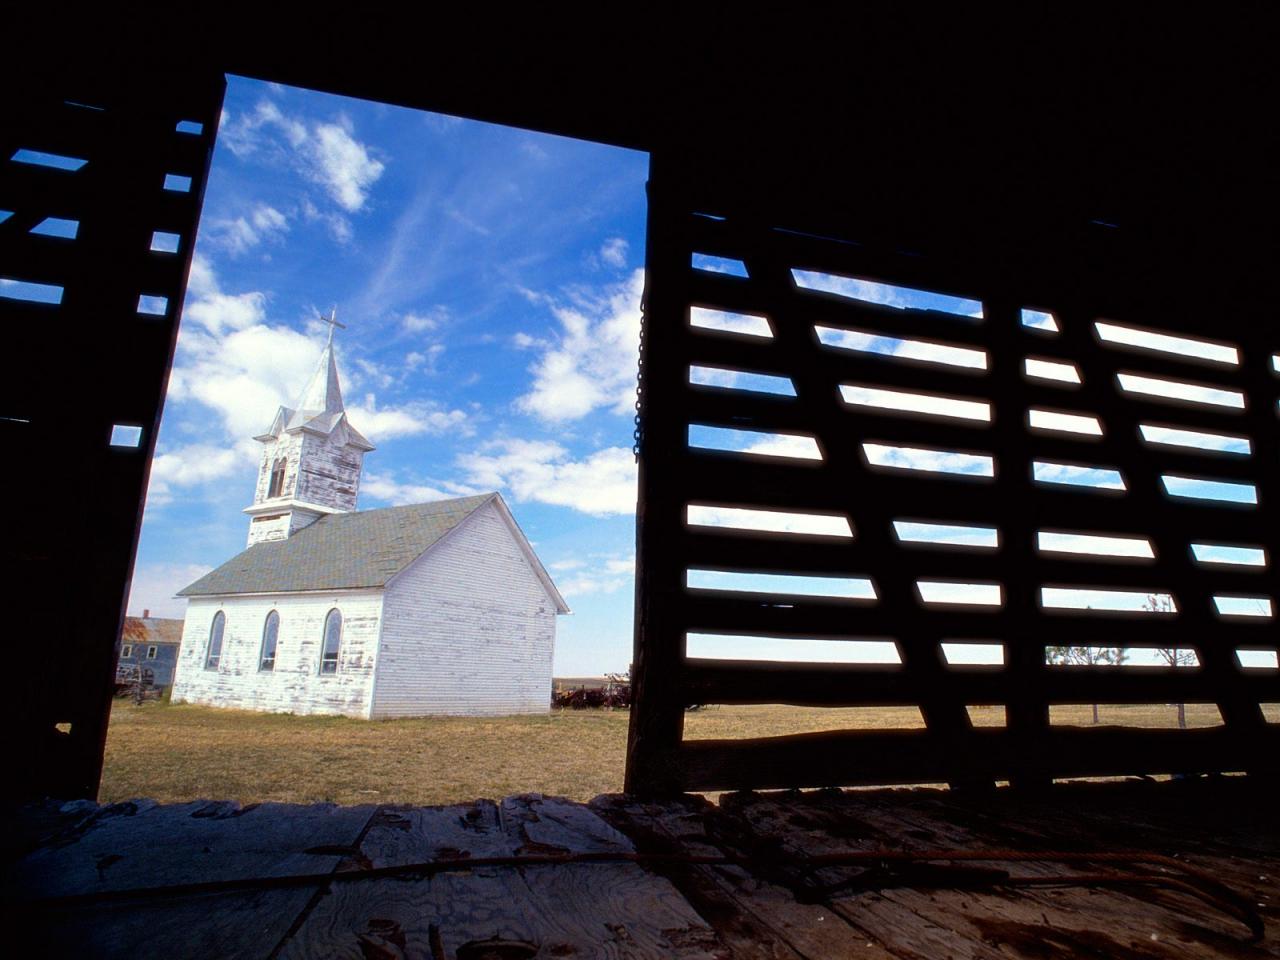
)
(490, 279)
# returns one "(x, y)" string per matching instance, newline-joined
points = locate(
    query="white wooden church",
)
(434, 608)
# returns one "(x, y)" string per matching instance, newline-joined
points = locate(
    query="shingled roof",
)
(340, 551)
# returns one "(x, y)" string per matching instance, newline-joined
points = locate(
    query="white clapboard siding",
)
(296, 684)
(469, 628)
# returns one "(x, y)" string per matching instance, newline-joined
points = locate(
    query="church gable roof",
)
(339, 551)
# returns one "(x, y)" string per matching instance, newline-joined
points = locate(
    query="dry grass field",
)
(175, 753)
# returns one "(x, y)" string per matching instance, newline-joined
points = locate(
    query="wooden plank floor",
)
(278, 880)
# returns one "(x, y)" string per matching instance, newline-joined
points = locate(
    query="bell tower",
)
(311, 457)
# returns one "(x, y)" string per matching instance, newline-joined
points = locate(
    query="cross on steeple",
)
(332, 320)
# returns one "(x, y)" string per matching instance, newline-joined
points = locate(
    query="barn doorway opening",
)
(391, 316)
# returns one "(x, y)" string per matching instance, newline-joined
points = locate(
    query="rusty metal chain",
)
(637, 434)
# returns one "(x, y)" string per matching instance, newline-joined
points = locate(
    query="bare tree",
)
(1172, 656)
(1087, 656)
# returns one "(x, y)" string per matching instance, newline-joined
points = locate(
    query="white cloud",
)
(931, 461)
(238, 236)
(374, 372)
(593, 363)
(769, 521)
(871, 291)
(925, 350)
(195, 464)
(387, 489)
(786, 445)
(339, 226)
(328, 154)
(384, 423)
(614, 252)
(214, 310)
(242, 375)
(584, 583)
(342, 165)
(602, 484)
(425, 360)
(233, 369)
(523, 341)
(424, 322)
(154, 586)
(599, 575)
(246, 134)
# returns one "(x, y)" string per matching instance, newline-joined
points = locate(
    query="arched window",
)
(277, 479)
(332, 642)
(215, 641)
(270, 635)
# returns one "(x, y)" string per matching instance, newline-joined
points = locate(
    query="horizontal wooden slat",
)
(849, 759)
(707, 613)
(842, 685)
(993, 565)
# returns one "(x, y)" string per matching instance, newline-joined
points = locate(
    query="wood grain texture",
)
(596, 910)
(142, 844)
(1066, 921)
(754, 917)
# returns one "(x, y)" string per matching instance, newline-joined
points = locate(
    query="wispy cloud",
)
(614, 252)
(602, 574)
(264, 224)
(424, 321)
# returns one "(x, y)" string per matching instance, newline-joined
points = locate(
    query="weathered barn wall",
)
(295, 685)
(469, 629)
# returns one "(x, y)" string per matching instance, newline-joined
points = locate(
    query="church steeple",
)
(323, 392)
(311, 457)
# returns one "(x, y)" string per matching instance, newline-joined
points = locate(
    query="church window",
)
(277, 480)
(332, 641)
(215, 641)
(151, 652)
(126, 651)
(270, 635)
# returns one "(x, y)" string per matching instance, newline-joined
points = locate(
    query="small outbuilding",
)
(148, 651)
(438, 608)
